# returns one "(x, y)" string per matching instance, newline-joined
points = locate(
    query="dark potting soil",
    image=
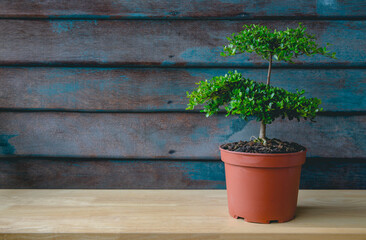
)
(273, 146)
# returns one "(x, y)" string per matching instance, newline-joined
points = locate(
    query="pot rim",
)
(263, 160)
(263, 154)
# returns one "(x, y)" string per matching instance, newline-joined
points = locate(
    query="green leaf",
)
(245, 97)
(285, 45)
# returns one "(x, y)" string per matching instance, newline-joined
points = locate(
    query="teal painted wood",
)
(158, 89)
(170, 140)
(161, 43)
(317, 173)
(176, 9)
(166, 135)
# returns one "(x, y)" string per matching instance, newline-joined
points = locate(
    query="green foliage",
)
(244, 97)
(281, 45)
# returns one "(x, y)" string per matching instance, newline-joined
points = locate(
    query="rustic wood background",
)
(92, 93)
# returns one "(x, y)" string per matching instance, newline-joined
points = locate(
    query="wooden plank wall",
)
(92, 94)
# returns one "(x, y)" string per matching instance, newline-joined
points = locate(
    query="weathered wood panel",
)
(166, 142)
(86, 173)
(317, 173)
(166, 135)
(176, 9)
(160, 43)
(157, 89)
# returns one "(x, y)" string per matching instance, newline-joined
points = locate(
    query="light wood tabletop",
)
(171, 214)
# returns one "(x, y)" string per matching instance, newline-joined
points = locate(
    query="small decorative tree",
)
(245, 97)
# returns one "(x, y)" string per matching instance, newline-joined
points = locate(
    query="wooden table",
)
(171, 214)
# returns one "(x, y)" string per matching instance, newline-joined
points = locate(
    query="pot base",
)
(264, 221)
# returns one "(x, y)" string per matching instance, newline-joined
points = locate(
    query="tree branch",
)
(269, 69)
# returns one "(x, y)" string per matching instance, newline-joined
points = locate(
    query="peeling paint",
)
(6, 148)
(199, 54)
(199, 132)
(205, 171)
(56, 89)
(137, 15)
(333, 4)
(62, 26)
(167, 63)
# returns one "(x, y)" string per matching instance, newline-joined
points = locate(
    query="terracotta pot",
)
(262, 188)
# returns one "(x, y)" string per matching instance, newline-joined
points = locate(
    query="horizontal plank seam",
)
(15, 157)
(98, 111)
(193, 66)
(235, 18)
(168, 159)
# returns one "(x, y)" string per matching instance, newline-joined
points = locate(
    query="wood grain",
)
(101, 59)
(73, 173)
(180, 236)
(158, 89)
(175, 9)
(110, 174)
(161, 43)
(166, 135)
(172, 214)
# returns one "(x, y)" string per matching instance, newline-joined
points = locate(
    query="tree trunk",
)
(262, 131)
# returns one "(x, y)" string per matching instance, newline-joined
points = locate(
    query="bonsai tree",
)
(244, 97)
